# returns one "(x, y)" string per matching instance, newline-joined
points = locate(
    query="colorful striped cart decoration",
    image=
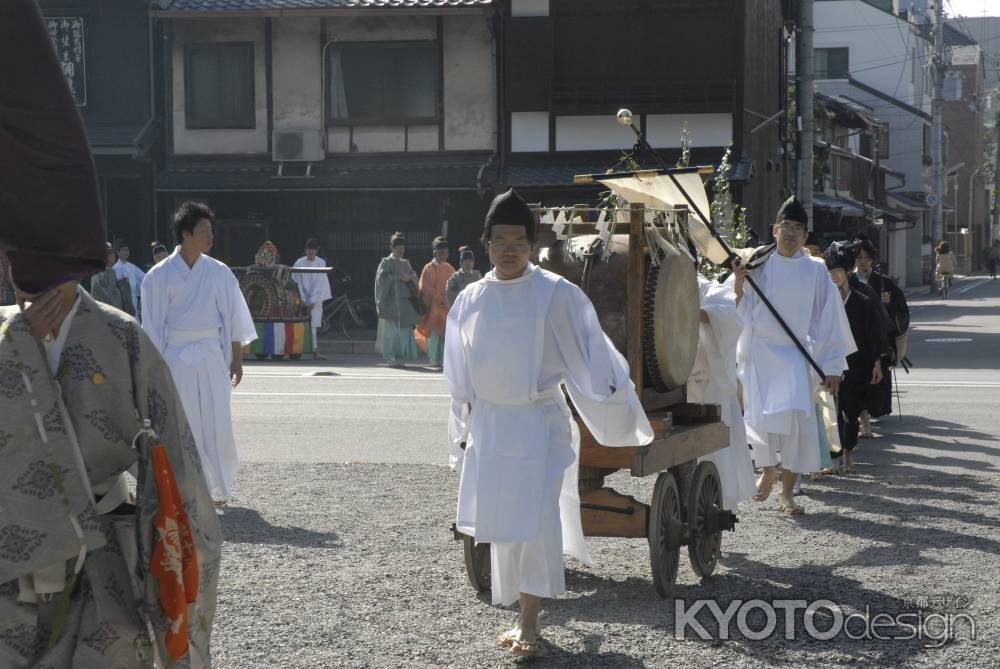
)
(280, 338)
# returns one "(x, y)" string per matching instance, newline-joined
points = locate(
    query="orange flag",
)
(174, 562)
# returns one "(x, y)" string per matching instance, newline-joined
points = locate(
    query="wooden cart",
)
(686, 506)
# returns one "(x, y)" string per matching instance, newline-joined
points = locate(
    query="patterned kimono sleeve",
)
(157, 400)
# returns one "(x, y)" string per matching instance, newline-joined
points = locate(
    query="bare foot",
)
(765, 484)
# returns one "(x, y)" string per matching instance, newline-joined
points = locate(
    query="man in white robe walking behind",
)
(196, 316)
(779, 386)
(314, 289)
(512, 340)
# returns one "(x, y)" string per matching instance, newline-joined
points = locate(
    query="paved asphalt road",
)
(338, 555)
(350, 409)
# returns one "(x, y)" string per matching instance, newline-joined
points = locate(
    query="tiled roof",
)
(270, 5)
(455, 173)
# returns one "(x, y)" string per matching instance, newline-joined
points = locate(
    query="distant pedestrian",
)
(397, 301)
(106, 287)
(433, 292)
(993, 258)
(126, 270)
(945, 266)
(466, 274)
(194, 312)
(314, 289)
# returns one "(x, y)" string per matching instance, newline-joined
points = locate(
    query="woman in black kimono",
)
(865, 366)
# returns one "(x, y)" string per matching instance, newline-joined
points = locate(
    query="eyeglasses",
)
(516, 247)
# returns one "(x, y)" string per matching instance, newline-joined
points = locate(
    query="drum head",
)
(671, 320)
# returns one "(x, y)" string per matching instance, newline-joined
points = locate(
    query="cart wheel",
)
(704, 505)
(477, 563)
(665, 529)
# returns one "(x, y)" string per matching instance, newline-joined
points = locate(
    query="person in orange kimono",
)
(433, 292)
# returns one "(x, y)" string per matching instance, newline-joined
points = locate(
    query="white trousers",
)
(202, 380)
(533, 567)
(797, 448)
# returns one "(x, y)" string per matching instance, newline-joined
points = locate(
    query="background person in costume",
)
(81, 379)
(397, 301)
(159, 252)
(513, 340)
(779, 388)
(945, 265)
(195, 314)
(864, 366)
(107, 288)
(466, 274)
(433, 292)
(313, 288)
(894, 314)
(130, 272)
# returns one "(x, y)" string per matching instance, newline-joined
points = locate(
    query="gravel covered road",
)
(353, 566)
(338, 552)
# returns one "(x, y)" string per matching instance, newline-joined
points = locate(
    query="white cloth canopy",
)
(193, 315)
(660, 191)
(509, 347)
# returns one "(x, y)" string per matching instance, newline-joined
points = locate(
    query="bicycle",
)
(945, 286)
(349, 315)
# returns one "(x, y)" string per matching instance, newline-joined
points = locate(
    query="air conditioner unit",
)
(297, 146)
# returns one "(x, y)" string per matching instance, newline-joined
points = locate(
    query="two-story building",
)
(866, 53)
(714, 66)
(105, 47)
(344, 120)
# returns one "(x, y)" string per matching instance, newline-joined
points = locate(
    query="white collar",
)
(528, 273)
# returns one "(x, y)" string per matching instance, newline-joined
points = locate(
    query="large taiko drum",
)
(670, 304)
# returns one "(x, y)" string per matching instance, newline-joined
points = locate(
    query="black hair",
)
(188, 216)
(943, 247)
(312, 243)
(397, 239)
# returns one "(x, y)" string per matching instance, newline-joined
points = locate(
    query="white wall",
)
(880, 46)
(529, 131)
(469, 94)
(529, 8)
(297, 77)
(470, 116)
(664, 131)
(219, 141)
(592, 133)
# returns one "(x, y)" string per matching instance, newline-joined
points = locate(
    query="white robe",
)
(713, 381)
(313, 288)
(193, 315)
(779, 386)
(509, 346)
(126, 270)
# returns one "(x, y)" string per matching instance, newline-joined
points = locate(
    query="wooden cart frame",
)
(686, 506)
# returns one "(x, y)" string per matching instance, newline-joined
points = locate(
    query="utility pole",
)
(995, 232)
(939, 64)
(805, 87)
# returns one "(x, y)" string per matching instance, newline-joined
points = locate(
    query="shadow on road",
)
(634, 602)
(241, 525)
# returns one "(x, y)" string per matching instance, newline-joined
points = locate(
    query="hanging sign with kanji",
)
(67, 36)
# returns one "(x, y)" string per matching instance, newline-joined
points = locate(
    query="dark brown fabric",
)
(50, 215)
